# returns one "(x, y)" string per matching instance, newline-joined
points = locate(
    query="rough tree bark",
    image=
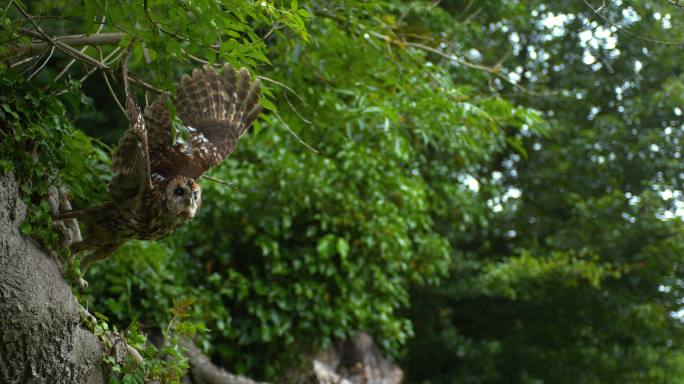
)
(41, 337)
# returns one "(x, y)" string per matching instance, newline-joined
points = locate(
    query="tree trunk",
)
(41, 336)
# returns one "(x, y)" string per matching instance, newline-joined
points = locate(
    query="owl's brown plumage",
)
(153, 189)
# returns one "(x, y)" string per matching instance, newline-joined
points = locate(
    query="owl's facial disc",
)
(183, 196)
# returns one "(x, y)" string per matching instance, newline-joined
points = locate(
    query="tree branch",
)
(71, 40)
(68, 50)
(597, 12)
(203, 371)
(676, 3)
(72, 52)
(495, 70)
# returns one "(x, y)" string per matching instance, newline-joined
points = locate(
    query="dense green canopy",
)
(492, 189)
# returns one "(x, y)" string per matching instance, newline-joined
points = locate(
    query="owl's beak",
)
(191, 207)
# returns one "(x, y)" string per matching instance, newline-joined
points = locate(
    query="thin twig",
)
(495, 70)
(301, 99)
(87, 74)
(226, 183)
(69, 64)
(287, 126)
(9, 4)
(107, 61)
(72, 61)
(146, 85)
(42, 65)
(68, 50)
(492, 70)
(26, 60)
(111, 90)
(467, 7)
(295, 109)
(201, 61)
(109, 86)
(33, 64)
(65, 48)
(282, 85)
(628, 32)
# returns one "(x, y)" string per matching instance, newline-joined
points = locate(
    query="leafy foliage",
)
(37, 143)
(316, 245)
(568, 277)
(493, 182)
(165, 363)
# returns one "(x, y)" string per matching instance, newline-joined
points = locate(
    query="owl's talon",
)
(53, 200)
(58, 200)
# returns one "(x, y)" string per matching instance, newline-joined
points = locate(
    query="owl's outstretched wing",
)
(130, 163)
(159, 128)
(216, 110)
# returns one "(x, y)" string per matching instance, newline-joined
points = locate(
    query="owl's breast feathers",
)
(143, 217)
(150, 218)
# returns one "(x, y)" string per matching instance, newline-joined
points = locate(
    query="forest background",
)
(491, 189)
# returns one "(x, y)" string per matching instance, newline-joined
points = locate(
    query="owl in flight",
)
(154, 187)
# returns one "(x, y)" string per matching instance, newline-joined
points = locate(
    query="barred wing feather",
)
(216, 110)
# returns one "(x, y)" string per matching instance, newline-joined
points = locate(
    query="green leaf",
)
(303, 12)
(26, 228)
(342, 247)
(326, 246)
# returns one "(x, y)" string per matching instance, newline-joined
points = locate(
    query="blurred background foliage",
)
(492, 189)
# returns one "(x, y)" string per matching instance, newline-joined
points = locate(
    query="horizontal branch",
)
(69, 50)
(203, 371)
(71, 40)
(82, 57)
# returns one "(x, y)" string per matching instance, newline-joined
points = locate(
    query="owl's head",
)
(183, 196)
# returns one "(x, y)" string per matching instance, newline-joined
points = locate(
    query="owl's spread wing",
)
(158, 122)
(130, 163)
(216, 110)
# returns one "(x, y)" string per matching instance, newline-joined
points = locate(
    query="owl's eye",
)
(179, 191)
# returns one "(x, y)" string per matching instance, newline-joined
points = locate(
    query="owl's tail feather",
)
(83, 215)
(101, 252)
